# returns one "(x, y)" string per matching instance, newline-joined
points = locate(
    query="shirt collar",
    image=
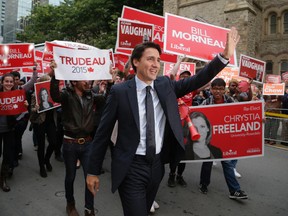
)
(140, 85)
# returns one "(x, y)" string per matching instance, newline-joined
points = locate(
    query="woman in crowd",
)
(43, 123)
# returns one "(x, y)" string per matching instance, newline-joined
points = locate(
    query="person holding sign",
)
(7, 133)
(146, 140)
(218, 97)
(79, 105)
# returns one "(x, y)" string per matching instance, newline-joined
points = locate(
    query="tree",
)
(92, 22)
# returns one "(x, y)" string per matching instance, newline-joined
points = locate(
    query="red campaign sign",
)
(4, 71)
(131, 33)
(271, 78)
(48, 50)
(194, 39)
(285, 76)
(16, 55)
(184, 66)
(38, 56)
(12, 102)
(237, 131)
(120, 62)
(43, 98)
(252, 68)
(156, 20)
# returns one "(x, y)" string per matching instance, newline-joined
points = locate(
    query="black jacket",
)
(77, 120)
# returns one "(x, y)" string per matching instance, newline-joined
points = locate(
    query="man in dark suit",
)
(135, 173)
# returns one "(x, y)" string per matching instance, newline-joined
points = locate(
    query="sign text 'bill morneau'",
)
(82, 61)
(249, 122)
(15, 54)
(199, 36)
(252, 65)
(127, 28)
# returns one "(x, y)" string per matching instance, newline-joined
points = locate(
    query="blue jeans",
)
(71, 153)
(228, 169)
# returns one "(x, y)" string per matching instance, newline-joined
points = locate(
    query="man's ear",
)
(135, 62)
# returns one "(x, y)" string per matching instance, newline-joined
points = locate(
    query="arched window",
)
(269, 67)
(284, 66)
(273, 23)
(285, 23)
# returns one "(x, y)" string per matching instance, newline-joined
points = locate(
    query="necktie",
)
(150, 126)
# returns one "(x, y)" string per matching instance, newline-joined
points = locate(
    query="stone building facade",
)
(262, 24)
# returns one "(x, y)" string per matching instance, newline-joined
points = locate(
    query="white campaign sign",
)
(81, 64)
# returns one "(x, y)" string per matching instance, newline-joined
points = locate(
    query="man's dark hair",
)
(16, 74)
(218, 82)
(140, 48)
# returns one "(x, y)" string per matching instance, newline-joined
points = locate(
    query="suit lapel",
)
(132, 96)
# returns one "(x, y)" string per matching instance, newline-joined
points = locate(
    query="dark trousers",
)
(20, 127)
(175, 165)
(71, 153)
(8, 139)
(48, 127)
(138, 189)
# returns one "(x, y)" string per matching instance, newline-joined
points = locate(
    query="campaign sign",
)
(272, 78)
(17, 55)
(48, 50)
(131, 33)
(43, 98)
(74, 45)
(184, 66)
(12, 102)
(4, 71)
(81, 64)
(252, 68)
(285, 76)
(194, 39)
(38, 57)
(237, 131)
(273, 89)
(156, 20)
(229, 73)
(120, 62)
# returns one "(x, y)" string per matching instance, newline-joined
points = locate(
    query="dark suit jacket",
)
(122, 106)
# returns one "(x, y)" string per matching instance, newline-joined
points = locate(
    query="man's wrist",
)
(223, 56)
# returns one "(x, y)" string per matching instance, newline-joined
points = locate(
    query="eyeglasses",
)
(218, 89)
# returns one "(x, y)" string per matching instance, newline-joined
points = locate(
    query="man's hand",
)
(231, 42)
(53, 65)
(92, 184)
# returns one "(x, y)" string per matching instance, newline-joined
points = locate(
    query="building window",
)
(273, 23)
(284, 66)
(269, 67)
(285, 23)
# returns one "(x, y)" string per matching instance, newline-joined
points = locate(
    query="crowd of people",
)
(135, 118)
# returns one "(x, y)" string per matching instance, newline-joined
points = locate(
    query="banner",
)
(237, 131)
(43, 98)
(272, 78)
(81, 64)
(4, 71)
(12, 102)
(273, 89)
(252, 68)
(184, 66)
(194, 39)
(156, 20)
(130, 33)
(17, 55)
(229, 73)
(38, 57)
(120, 62)
(48, 50)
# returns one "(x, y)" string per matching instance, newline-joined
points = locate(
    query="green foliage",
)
(92, 22)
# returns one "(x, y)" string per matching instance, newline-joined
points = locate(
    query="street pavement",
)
(264, 179)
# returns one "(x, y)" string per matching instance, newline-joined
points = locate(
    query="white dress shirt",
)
(159, 117)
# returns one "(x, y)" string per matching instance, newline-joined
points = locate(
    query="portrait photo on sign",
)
(43, 98)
